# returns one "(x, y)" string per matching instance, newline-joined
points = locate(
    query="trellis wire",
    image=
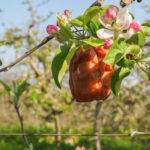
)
(134, 133)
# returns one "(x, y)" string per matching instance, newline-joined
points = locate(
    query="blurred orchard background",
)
(30, 100)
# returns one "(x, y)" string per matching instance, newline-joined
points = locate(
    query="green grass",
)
(48, 143)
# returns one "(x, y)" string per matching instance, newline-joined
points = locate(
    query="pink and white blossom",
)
(122, 22)
(111, 13)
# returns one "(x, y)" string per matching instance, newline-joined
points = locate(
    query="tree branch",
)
(97, 3)
(26, 54)
(22, 126)
(124, 3)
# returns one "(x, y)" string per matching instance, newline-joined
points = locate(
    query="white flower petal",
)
(128, 21)
(104, 34)
(124, 18)
(108, 26)
(127, 35)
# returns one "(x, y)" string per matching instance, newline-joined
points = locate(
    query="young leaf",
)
(146, 24)
(61, 61)
(15, 87)
(137, 39)
(94, 41)
(133, 49)
(0, 63)
(116, 53)
(65, 30)
(93, 26)
(146, 30)
(3, 42)
(79, 21)
(117, 78)
(7, 88)
(22, 87)
(90, 13)
(124, 62)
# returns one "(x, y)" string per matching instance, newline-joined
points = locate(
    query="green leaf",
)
(146, 30)
(65, 31)
(3, 42)
(94, 41)
(133, 49)
(137, 39)
(79, 21)
(7, 88)
(124, 62)
(15, 86)
(90, 13)
(146, 24)
(93, 26)
(116, 53)
(22, 87)
(117, 78)
(61, 61)
(0, 63)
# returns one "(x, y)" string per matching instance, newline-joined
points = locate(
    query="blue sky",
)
(16, 14)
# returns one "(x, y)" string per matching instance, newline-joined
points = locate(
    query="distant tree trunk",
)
(95, 127)
(57, 127)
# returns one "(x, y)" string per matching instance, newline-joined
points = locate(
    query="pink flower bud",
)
(67, 13)
(111, 13)
(108, 43)
(77, 148)
(51, 29)
(135, 25)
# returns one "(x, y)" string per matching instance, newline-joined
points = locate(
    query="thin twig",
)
(26, 54)
(22, 126)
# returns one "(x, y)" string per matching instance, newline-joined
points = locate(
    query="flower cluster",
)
(116, 22)
(66, 17)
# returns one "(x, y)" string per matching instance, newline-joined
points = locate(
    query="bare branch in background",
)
(27, 54)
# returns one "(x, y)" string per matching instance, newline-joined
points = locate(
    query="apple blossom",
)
(111, 13)
(51, 29)
(108, 43)
(123, 21)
